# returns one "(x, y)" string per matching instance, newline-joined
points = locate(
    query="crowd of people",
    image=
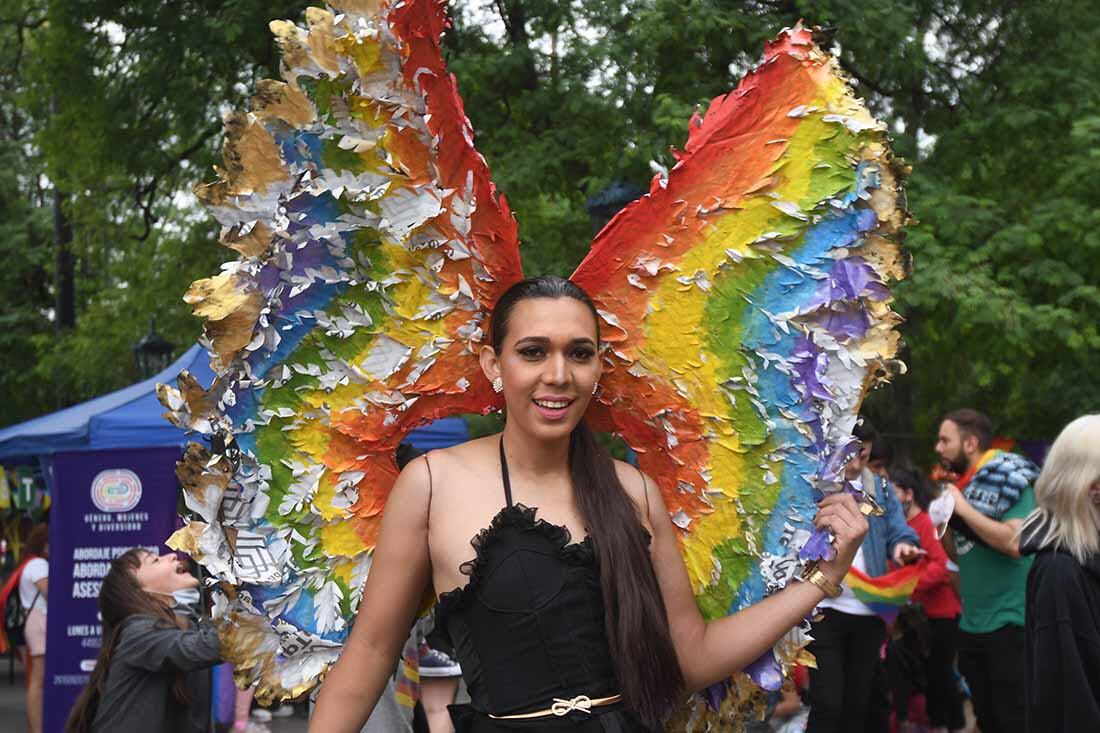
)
(1006, 610)
(24, 600)
(1006, 600)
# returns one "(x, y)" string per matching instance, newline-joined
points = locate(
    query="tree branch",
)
(23, 22)
(148, 218)
(502, 11)
(865, 80)
(21, 25)
(145, 195)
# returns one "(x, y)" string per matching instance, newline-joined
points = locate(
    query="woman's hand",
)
(712, 651)
(840, 514)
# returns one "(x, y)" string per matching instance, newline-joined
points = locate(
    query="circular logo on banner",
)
(116, 490)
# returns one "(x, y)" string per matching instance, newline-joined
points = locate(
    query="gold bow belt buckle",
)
(562, 707)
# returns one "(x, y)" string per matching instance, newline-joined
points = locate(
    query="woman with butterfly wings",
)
(726, 326)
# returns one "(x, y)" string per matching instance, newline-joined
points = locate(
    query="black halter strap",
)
(504, 473)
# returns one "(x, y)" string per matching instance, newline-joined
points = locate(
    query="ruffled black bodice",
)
(551, 540)
(528, 627)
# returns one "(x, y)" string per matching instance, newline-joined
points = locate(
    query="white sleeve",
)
(36, 570)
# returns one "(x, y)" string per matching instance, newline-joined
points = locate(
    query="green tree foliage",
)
(1003, 305)
(112, 110)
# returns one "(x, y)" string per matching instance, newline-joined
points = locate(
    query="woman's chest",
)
(513, 540)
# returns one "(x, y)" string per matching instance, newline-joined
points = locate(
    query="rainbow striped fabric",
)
(886, 594)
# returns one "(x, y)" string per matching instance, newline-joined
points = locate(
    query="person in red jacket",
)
(941, 605)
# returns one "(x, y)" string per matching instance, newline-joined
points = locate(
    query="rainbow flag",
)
(407, 690)
(886, 594)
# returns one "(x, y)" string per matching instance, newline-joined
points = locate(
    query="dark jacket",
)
(138, 694)
(1063, 640)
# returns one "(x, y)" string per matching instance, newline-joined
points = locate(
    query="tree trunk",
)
(64, 275)
(514, 15)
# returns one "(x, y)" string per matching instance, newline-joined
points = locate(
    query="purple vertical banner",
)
(104, 503)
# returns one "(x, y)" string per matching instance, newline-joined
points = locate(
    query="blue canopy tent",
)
(133, 418)
(128, 418)
(96, 457)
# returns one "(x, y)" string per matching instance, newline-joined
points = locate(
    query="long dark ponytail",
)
(120, 596)
(648, 672)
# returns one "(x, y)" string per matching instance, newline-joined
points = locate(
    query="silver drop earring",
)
(498, 385)
(595, 388)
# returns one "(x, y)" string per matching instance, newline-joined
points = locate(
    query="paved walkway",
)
(13, 709)
(12, 701)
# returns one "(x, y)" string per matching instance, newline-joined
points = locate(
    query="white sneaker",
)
(251, 727)
(261, 714)
(283, 711)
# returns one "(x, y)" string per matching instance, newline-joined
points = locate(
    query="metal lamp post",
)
(153, 353)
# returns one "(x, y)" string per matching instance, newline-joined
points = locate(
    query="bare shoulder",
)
(461, 472)
(412, 491)
(472, 454)
(641, 489)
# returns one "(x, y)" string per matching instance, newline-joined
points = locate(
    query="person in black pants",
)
(943, 697)
(931, 634)
(846, 647)
(849, 636)
(992, 497)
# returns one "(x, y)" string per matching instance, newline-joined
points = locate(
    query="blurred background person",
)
(936, 596)
(992, 498)
(153, 668)
(848, 690)
(33, 592)
(440, 676)
(1063, 589)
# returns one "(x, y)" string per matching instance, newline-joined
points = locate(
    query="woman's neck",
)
(914, 510)
(533, 456)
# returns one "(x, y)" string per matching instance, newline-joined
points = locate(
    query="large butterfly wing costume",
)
(743, 303)
(370, 241)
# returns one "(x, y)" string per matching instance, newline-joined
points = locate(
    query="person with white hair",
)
(1063, 587)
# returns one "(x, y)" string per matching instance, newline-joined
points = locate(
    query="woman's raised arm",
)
(713, 651)
(400, 573)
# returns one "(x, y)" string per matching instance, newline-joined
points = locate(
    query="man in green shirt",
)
(992, 497)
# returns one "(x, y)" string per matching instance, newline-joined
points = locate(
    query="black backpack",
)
(15, 618)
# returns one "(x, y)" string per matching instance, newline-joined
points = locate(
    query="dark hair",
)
(972, 422)
(881, 451)
(865, 432)
(909, 479)
(120, 596)
(647, 670)
(37, 540)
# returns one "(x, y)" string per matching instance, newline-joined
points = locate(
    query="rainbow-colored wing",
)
(371, 241)
(745, 306)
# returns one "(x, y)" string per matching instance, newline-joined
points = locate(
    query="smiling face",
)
(163, 574)
(549, 363)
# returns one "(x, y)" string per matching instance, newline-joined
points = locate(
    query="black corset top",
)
(528, 627)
